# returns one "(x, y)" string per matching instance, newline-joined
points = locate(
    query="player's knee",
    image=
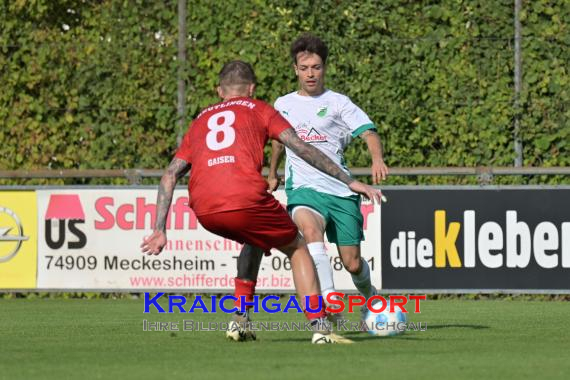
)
(353, 265)
(312, 233)
(293, 246)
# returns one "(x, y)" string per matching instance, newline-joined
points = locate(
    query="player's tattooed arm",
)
(155, 243)
(313, 156)
(176, 170)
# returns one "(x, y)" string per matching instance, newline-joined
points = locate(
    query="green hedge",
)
(90, 84)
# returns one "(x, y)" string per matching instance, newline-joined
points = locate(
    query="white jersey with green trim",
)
(329, 122)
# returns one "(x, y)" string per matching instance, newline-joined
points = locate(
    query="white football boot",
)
(239, 330)
(330, 338)
(323, 335)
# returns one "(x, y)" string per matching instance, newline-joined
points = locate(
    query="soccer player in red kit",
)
(223, 148)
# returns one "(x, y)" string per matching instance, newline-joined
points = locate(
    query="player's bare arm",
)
(319, 160)
(277, 150)
(379, 168)
(176, 170)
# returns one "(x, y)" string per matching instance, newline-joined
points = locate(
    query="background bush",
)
(90, 84)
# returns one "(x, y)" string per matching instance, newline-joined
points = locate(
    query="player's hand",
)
(154, 244)
(374, 195)
(273, 183)
(379, 172)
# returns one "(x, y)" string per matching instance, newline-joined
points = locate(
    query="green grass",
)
(103, 339)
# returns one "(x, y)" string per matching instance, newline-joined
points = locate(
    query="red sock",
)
(314, 305)
(244, 288)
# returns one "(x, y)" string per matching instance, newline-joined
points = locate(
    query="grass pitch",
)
(104, 339)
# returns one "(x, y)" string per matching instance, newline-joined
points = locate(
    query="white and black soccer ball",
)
(385, 323)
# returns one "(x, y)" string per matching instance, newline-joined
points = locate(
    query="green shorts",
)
(342, 215)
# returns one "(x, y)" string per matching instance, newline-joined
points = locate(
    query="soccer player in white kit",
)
(317, 202)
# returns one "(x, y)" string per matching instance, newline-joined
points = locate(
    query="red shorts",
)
(265, 226)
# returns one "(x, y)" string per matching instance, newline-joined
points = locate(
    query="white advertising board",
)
(89, 239)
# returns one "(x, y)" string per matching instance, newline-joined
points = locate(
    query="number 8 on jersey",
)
(225, 128)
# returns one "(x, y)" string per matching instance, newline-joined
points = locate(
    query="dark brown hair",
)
(310, 43)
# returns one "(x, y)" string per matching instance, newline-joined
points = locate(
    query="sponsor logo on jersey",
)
(311, 135)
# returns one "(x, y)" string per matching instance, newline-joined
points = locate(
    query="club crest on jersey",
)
(322, 112)
(310, 135)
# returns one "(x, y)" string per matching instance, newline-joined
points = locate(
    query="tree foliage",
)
(92, 84)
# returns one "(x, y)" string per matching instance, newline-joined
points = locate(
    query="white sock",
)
(362, 281)
(324, 271)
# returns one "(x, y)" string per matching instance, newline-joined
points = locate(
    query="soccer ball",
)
(385, 323)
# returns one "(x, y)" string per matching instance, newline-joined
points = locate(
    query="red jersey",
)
(224, 145)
